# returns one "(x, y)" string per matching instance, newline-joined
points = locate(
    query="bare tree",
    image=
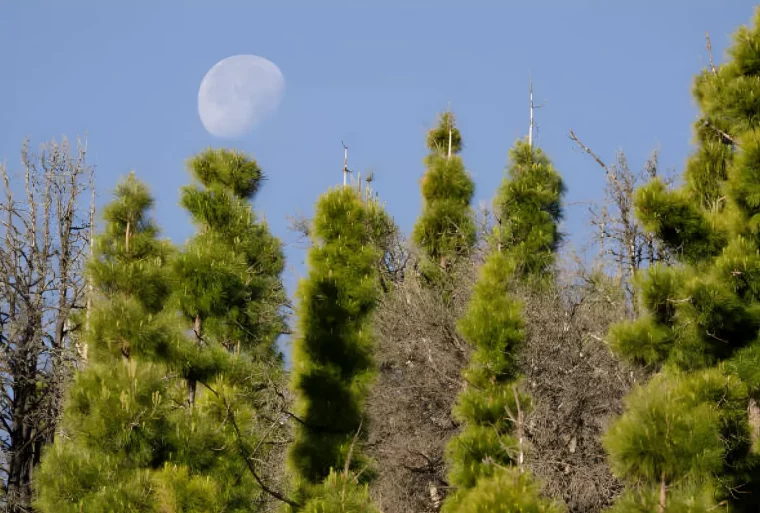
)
(45, 233)
(420, 357)
(623, 243)
(576, 384)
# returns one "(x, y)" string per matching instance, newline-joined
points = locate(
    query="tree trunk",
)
(192, 384)
(22, 435)
(663, 494)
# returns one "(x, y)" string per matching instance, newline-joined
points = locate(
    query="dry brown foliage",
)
(420, 357)
(577, 386)
(576, 383)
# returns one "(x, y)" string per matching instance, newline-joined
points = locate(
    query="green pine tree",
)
(332, 351)
(486, 458)
(228, 290)
(445, 231)
(688, 430)
(506, 491)
(229, 274)
(119, 408)
(529, 208)
(141, 434)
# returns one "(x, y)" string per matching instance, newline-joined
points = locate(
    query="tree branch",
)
(249, 463)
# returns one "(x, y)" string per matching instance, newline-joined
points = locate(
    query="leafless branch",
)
(709, 53)
(248, 458)
(44, 227)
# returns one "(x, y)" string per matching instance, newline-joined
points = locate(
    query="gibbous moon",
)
(238, 93)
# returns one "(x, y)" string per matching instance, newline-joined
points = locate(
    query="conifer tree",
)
(688, 430)
(140, 434)
(529, 208)
(486, 459)
(445, 230)
(116, 420)
(229, 291)
(341, 493)
(229, 274)
(332, 352)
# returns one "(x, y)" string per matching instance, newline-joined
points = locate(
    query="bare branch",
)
(248, 458)
(726, 137)
(43, 230)
(709, 53)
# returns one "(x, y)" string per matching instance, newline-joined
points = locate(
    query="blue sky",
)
(373, 74)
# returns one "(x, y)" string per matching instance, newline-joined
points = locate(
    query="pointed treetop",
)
(345, 164)
(445, 139)
(133, 200)
(530, 132)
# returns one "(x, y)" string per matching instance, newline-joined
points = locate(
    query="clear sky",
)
(373, 74)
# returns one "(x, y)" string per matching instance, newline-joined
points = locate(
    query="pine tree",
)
(445, 230)
(688, 430)
(506, 491)
(332, 352)
(116, 419)
(229, 291)
(529, 208)
(140, 434)
(486, 459)
(229, 273)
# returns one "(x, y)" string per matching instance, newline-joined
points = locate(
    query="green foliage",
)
(528, 207)
(506, 491)
(683, 499)
(677, 220)
(129, 259)
(690, 424)
(340, 494)
(230, 294)
(118, 408)
(229, 274)
(744, 365)
(133, 441)
(445, 230)
(688, 429)
(438, 138)
(332, 351)
(228, 170)
(491, 407)
(493, 322)
(643, 341)
(669, 429)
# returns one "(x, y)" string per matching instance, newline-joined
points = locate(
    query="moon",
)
(238, 93)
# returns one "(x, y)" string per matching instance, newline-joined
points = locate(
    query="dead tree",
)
(623, 243)
(45, 224)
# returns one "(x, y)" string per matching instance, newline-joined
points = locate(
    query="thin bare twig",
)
(709, 53)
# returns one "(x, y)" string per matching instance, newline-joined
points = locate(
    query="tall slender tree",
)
(332, 352)
(492, 407)
(445, 231)
(229, 291)
(688, 430)
(116, 419)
